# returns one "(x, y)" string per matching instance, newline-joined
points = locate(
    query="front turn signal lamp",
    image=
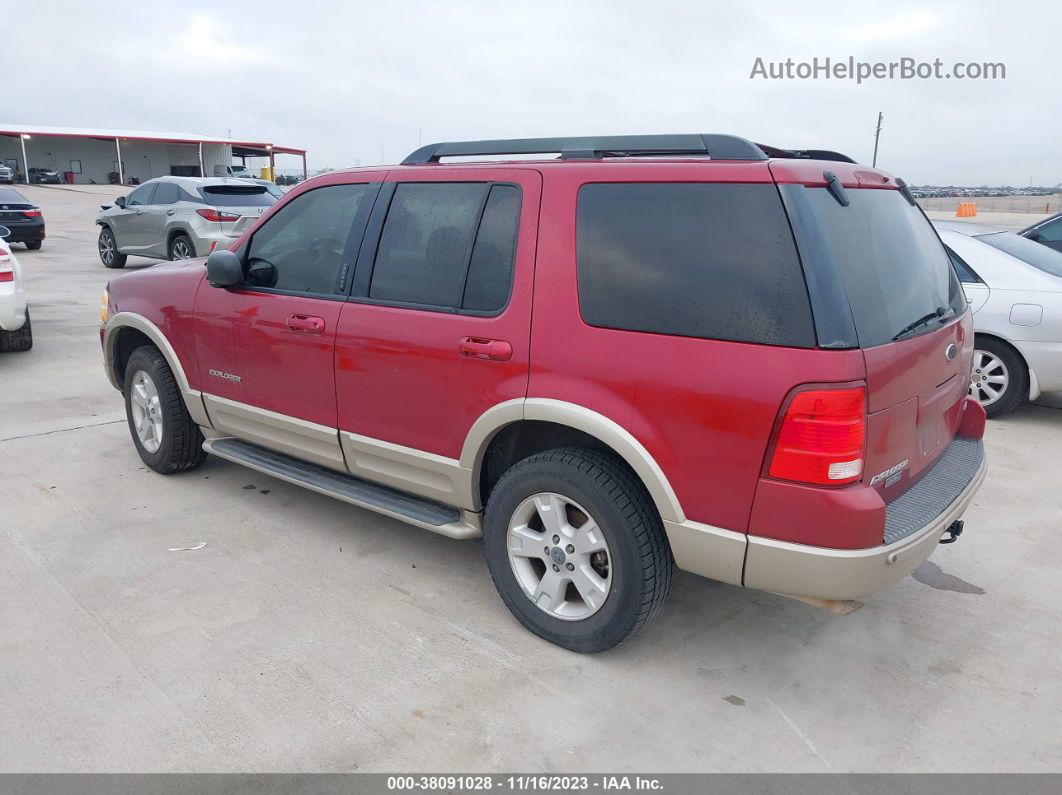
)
(104, 308)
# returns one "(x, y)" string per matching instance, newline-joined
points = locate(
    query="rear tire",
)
(34, 245)
(999, 380)
(181, 247)
(108, 249)
(592, 490)
(18, 340)
(164, 434)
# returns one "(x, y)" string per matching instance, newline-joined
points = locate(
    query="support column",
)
(25, 162)
(121, 171)
(272, 166)
(202, 173)
(304, 174)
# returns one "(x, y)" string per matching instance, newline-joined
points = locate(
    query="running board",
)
(438, 518)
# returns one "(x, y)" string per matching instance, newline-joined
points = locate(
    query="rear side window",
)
(166, 193)
(237, 196)
(715, 261)
(964, 271)
(448, 245)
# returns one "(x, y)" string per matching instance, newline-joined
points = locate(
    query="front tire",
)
(181, 247)
(108, 249)
(19, 340)
(576, 549)
(164, 434)
(999, 379)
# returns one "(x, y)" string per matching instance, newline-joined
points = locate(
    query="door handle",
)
(480, 348)
(307, 323)
(170, 212)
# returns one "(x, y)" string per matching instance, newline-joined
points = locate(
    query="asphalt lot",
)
(308, 635)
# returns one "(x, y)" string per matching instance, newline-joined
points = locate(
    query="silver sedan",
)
(1014, 287)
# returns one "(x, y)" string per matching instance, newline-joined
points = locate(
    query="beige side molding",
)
(193, 398)
(582, 419)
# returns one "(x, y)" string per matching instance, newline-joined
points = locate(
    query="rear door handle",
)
(307, 323)
(480, 348)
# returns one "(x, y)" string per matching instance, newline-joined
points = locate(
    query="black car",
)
(1047, 231)
(25, 220)
(45, 175)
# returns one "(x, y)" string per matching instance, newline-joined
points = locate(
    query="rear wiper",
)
(940, 313)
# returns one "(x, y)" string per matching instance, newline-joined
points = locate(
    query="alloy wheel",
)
(106, 248)
(180, 249)
(146, 408)
(989, 378)
(559, 556)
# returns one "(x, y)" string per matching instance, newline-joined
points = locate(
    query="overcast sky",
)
(368, 81)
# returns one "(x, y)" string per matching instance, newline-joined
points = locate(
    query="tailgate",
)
(915, 392)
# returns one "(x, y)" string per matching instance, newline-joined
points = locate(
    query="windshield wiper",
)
(940, 313)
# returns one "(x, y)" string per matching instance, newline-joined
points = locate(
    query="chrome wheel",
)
(146, 408)
(180, 249)
(989, 378)
(559, 556)
(106, 244)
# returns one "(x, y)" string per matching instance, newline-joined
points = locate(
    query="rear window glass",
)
(237, 196)
(10, 196)
(895, 270)
(1029, 251)
(691, 259)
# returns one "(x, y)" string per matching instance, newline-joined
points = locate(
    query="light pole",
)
(877, 134)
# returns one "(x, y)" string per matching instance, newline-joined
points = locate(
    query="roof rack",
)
(717, 147)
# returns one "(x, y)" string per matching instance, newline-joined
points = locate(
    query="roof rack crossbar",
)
(717, 147)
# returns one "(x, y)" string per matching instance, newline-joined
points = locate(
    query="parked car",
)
(1048, 231)
(1014, 287)
(7, 175)
(178, 217)
(16, 333)
(607, 364)
(45, 175)
(23, 219)
(238, 172)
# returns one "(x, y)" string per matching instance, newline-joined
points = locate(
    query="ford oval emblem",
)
(951, 352)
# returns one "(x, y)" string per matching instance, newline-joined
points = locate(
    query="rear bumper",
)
(12, 309)
(823, 573)
(25, 233)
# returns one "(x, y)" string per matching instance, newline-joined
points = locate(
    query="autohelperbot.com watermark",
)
(849, 68)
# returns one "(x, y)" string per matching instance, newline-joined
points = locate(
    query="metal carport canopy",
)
(250, 148)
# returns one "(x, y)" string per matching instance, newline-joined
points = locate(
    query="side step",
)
(409, 508)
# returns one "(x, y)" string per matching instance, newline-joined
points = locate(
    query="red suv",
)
(650, 351)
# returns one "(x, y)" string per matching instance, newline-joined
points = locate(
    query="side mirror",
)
(4, 232)
(224, 269)
(120, 201)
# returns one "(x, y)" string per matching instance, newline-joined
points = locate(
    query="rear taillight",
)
(33, 212)
(820, 439)
(216, 215)
(6, 272)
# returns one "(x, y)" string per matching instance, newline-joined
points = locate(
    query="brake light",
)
(821, 437)
(7, 274)
(216, 215)
(33, 212)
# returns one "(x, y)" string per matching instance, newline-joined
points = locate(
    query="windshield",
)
(237, 196)
(897, 275)
(1029, 251)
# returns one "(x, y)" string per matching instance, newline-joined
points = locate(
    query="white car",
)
(15, 331)
(1014, 287)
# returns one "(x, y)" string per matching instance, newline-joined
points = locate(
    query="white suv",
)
(15, 331)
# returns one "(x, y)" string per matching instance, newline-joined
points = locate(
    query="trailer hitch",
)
(953, 532)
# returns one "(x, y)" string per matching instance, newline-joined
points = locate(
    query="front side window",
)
(303, 247)
(141, 196)
(715, 261)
